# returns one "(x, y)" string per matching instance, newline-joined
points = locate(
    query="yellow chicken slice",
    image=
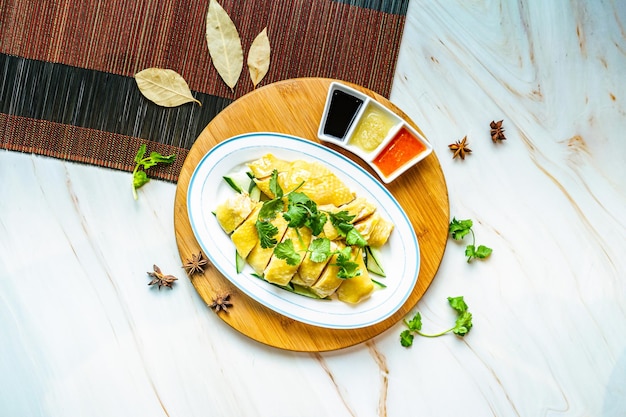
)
(278, 271)
(360, 208)
(314, 179)
(259, 257)
(329, 231)
(245, 237)
(310, 271)
(232, 212)
(297, 280)
(365, 227)
(380, 234)
(356, 289)
(328, 282)
(263, 167)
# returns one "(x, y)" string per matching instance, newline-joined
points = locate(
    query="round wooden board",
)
(295, 107)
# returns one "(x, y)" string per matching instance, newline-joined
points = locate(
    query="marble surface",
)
(83, 335)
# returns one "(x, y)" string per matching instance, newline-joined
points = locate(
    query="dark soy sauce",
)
(341, 113)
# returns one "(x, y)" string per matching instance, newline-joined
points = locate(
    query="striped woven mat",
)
(66, 67)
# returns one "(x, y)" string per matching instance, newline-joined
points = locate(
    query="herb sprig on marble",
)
(461, 228)
(462, 325)
(143, 162)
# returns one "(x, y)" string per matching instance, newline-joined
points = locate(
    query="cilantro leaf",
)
(463, 324)
(459, 228)
(316, 222)
(140, 177)
(347, 268)
(341, 217)
(298, 198)
(406, 338)
(482, 252)
(354, 238)
(415, 324)
(140, 153)
(266, 232)
(275, 186)
(285, 250)
(342, 223)
(295, 215)
(458, 304)
(270, 208)
(320, 249)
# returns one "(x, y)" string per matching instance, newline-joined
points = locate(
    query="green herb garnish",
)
(301, 212)
(266, 232)
(347, 268)
(142, 162)
(286, 251)
(462, 325)
(459, 229)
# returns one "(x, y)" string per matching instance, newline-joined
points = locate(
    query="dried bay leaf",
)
(164, 87)
(259, 57)
(224, 44)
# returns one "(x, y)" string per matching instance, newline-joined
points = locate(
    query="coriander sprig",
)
(459, 229)
(462, 325)
(303, 212)
(143, 162)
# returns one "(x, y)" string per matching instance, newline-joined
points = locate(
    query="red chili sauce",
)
(400, 150)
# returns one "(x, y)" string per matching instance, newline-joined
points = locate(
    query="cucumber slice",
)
(255, 193)
(378, 284)
(305, 291)
(238, 181)
(240, 262)
(372, 261)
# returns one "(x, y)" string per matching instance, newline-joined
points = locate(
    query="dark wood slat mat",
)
(66, 67)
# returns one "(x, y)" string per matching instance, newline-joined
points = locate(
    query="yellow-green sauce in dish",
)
(372, 128)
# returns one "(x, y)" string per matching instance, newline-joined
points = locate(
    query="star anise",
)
(196, 264)
(161, 279)
(221, 302)
(497, 133)
(460, 148)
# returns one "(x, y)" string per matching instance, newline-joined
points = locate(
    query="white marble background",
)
(81, 334)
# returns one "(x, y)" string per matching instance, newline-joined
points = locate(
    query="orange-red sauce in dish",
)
(400, 150)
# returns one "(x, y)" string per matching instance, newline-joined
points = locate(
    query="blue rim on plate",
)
(400, 255)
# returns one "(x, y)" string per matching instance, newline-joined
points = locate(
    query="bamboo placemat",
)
(67, 66)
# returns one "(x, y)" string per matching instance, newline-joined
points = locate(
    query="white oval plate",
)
(400, 256)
